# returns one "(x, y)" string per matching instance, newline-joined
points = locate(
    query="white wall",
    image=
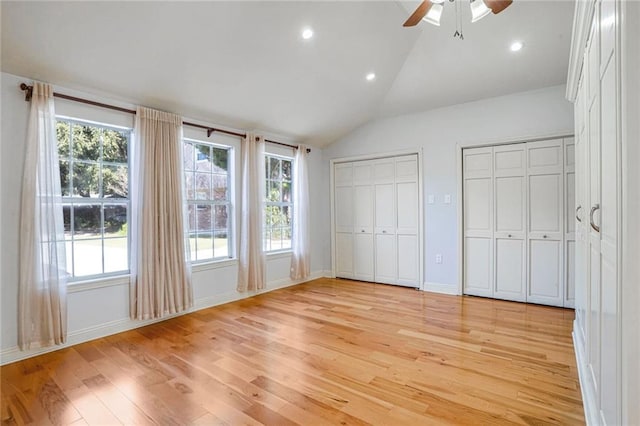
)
(101, 307)
(437, 132)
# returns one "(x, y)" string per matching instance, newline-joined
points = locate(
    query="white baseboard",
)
(441, 288)
(586, 383)
(14, 354)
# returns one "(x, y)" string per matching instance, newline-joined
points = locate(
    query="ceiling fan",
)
(431, 10)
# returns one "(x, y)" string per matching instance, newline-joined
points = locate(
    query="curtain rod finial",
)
(28, 91)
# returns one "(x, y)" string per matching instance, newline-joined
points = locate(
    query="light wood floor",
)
(325, 352)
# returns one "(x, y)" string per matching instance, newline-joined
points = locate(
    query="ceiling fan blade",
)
(497, 6)
(418, 14)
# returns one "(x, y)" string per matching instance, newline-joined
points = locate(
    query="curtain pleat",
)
(42, 291)
(251, 273)
(160, 272)
(301, 238)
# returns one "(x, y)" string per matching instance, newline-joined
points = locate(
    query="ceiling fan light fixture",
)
(434, 14)
(478, 10)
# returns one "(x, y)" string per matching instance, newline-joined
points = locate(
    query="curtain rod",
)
(29, 90)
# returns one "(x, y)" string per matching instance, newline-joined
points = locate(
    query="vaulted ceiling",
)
(245, 65)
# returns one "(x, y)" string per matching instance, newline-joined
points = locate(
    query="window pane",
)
(286, 192)
(188, 156)
(116, 254)
(205, 246)
(191, 218)
(203, 157)
(203, 186)
(273, 193)
(189, 185)
(87, 257)
(220, 186)
(203, 217)
(286, 169)
(274, 167)
(115, 181)
(64, 177)
(87, 221)
(86, 142)
(220, 157)
(221, 244)
(221, 217)
(85, 180)
(115, 220)
(69, 253)
(115, 146)
(66, 217)
(62, 132)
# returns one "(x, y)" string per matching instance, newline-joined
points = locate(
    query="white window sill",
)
(78, 286)
(280, 254)
(214, 264)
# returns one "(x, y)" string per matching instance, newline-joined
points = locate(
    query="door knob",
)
(384, 232)
(509, 235)
(577, 215)
(544, 236)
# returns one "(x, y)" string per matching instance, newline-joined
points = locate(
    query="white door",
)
(570, 223)
(344, 215)
(363, 267)
(545, 222)
(478, 221)
(386, 265)
(407, 220)
(510, 220)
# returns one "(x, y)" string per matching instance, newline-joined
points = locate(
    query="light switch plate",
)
(447, 198)
(431, 199)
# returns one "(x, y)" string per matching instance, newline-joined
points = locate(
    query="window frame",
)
(71, 201)
(291, 204)
(228, 202)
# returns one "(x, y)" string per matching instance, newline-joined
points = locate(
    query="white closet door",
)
(510, 217)
(386, 267)
(570, 223)
(545, 224)
(478, 221)
(407, 200)
(607, 219)
(344, 214)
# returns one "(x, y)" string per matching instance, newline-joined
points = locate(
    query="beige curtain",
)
(301, 241)
(251, 275)
(42, 291)
(160, 273)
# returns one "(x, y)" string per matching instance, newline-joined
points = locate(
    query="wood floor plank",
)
(329, 351)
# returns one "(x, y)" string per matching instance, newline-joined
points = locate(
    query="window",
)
(94, 177)
(207, 184)
(278, 203)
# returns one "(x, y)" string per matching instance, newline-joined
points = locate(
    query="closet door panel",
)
(407, 202)
(407, 168)
(510, 269)
(363, 208)
(344, 255)
(545, 204)
(545, 272)
(363, 267)
(510, 204)
(477, 205)
(408, 267)
(478, 266)
(385, 213)
(386, 259)
(343, 174)
(344, 208)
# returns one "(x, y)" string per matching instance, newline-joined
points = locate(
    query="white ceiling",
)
(244, 64)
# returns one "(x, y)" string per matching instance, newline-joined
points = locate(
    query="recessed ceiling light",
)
(516, 45)
(371, 76)
(307, 33)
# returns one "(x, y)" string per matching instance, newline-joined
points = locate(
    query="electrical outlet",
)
(431, 199)
(438, 258)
